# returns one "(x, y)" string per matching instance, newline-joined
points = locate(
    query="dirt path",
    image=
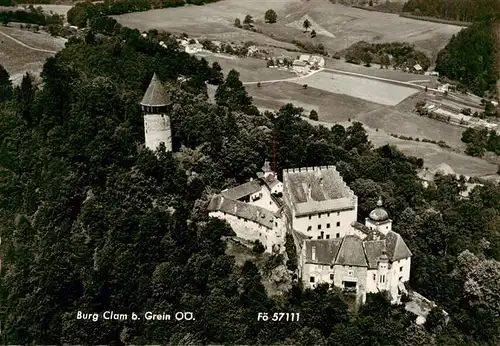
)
(25, 45)
(411, 83)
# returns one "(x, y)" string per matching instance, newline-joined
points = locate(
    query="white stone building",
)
(300, 66)
(156, 105)
(320, 203)
(254, 210)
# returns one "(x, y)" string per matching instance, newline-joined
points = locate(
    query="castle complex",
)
(313, 205)
(319, 210)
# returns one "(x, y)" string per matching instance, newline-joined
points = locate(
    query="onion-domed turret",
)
(379, 214)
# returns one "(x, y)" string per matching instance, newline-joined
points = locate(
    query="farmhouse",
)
(314, 61)
(300, 66)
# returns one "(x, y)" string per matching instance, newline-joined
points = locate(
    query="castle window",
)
(309, 228)
(338, 224)
(276, 224)
(386, 227)
(338, 235)
(319, 216)
(328, 215)
(374, 277)
(331, 277)
(327, 236)
(311, 279)
(319, 226)
(401, 268)
(350, 272)
(327, 225)
(319, 237)
(400, 278)
(309, 217)
(338, 213)
(322, 235)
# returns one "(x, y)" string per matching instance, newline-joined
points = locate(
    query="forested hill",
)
(457, 10)
(92, 222)
(471, 58)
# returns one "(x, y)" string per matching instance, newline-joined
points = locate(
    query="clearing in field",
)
(359, 87)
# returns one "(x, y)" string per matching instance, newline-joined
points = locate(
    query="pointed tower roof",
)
(156, 95)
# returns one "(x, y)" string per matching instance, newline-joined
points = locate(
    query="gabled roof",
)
(242, 190)
(373, 249)
(351, 252)
(325, 251)
(396, 247)
(156, 95)
(246, 211)
(299, 63)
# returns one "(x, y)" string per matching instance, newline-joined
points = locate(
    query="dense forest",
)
(91, 221)
(83, 11)
(457, 10)
(395, 54)
(31, 15)
(470, 58)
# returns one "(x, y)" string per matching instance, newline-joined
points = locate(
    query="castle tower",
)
(379, 219)
(156, 104)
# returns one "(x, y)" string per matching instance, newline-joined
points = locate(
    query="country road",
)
(411, 83)
(25, 45)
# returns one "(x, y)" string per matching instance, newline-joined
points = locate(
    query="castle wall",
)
(251, 231)
(157, 130)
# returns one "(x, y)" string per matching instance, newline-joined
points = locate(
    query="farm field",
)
(330, 107)
(358, 87)
(337, 26)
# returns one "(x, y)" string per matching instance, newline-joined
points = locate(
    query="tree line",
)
(32, 15)
(457, 10)
(97, 223)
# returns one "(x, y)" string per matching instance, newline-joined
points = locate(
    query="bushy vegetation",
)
(469, 58)
(31, 15)
(310, 47)
(396, 54)
(271, 16)
(97, 223)
(82, 12)
(458, 10)
(480, 140)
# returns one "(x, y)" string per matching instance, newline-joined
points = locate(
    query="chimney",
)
(314, 253)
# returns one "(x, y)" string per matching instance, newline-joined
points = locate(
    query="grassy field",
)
(337, 26)
(40, 40)
(19, 59)
(330, 107)
(358, 87)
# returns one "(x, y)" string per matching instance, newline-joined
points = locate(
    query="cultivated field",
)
(358, 87)
(338, 26)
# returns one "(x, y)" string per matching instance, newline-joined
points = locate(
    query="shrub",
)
(258, 247)
(313, 115)
(271, 16)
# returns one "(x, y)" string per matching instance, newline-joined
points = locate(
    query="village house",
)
(300, 66)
